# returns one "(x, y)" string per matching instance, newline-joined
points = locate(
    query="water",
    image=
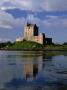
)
(30, 70)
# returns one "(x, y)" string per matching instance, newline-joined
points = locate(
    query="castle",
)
(31, 33)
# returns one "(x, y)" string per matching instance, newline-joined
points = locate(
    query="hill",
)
(25, 45)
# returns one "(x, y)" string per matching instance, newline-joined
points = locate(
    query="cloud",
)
(55, 5)
(22, 4)
(34, 5)
(8, 21)
(33, 19)
(55, 22)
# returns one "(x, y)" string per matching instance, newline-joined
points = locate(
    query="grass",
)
(25, 45)
(55, 47)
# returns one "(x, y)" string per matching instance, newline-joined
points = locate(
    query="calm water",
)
(33, 70)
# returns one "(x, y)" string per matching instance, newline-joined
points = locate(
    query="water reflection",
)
(33, 70)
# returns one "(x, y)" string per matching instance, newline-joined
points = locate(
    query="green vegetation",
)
(5, 44)
(25, 45)
(55, 47)
(29, 45)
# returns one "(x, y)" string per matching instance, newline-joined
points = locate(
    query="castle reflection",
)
(30, 70)
(26, 69)
(32, 65)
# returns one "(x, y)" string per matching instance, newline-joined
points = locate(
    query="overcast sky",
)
(49, 15)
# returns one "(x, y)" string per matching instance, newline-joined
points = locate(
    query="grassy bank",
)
(55, 47)
(24, 45)
(28, 45)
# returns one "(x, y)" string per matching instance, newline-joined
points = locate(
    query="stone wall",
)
(38, 39)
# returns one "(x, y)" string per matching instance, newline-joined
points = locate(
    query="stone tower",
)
(30, 30)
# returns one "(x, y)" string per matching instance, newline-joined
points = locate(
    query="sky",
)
(49, 15)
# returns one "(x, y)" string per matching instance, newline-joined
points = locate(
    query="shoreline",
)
(2, 49)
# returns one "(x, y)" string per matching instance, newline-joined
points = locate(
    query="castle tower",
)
(30, 30)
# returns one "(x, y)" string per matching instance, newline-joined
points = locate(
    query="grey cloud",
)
(55, 5)
(35, 5)
(8, 21)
